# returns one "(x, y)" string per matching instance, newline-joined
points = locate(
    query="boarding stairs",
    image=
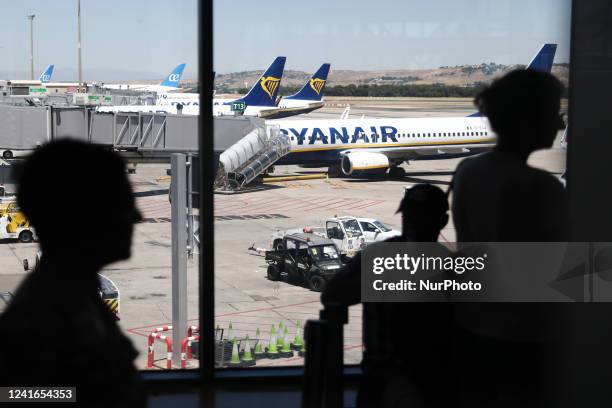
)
(250, 157)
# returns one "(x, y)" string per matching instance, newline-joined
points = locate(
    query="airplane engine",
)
(363, 161)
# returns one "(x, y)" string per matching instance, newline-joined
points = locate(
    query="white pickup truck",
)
(350, 234)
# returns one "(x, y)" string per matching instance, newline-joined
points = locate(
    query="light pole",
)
(31, 18)
(79, 45)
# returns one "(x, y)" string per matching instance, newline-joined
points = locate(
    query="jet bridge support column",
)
(178, 194)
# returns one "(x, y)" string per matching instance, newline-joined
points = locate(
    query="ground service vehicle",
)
(306, 257)
(14, 224)
(350, 234)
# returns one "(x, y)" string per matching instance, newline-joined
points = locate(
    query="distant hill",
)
(461, 75)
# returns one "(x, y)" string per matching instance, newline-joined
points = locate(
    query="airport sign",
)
(238, 107)
(38, 91)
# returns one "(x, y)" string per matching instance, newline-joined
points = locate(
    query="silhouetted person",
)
(57, 331)
(407, 346)
(498, 197)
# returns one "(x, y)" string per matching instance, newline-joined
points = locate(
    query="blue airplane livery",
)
(46, 75)
(173, 79)
(265, 90)
(313, 88)
(308, 98)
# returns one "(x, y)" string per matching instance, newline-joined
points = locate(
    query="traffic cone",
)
(247, 357)
(272, 348)
(235, 360)
(302, 352)
(280, 340)
(259, 349)
(298, 341)
(286, 348)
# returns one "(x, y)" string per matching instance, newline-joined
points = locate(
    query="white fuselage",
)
(173, 98)
(327, 141)
(140, 87)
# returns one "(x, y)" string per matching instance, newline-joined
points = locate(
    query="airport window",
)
(137, 290)
(287, 197)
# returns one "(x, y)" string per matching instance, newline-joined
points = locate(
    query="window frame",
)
(207, 375)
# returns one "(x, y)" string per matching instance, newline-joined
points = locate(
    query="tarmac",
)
(244, 296)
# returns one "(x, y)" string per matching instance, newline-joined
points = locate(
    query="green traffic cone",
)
(280, 340)
(302, 352)
(259, 350)
(235, 360)
(286, 348)
(298, 341)
(272, 348)
(247, 357)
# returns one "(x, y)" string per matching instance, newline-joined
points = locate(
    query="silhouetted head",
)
(523, 109)
(424, 211)
(80, 202)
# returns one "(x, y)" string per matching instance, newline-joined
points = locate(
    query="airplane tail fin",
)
(173, 79)
(313, 89)
(543, 60)
(265, 90)
(46, 74)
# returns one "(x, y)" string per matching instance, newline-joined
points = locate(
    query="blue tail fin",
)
(47, 74)
(543, 60)
(265, 90)
(313, 89)
(173, 79)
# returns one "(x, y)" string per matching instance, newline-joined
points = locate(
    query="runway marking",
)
(249, 217)
(138, 330)
(157, 207)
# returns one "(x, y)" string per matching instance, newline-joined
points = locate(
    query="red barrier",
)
(192, 329)
(155, 334)
(186, 344)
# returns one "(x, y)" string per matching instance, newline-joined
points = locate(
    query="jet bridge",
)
(245, 147)
(250, 157)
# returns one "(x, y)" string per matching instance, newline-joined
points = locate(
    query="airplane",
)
(259, 101)
(261, 98)
(170, 83)
(46, 75)
(347, 146)
(309, 98)
(306, 100)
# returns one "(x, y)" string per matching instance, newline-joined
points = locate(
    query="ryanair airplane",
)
(261, 99)
(309, 98)
(350, 145)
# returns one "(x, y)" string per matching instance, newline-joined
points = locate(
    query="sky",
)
(145, 39)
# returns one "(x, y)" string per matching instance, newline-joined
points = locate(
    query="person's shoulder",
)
(545, 180)
(475, 163)
(397, 238)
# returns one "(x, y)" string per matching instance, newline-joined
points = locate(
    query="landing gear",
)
(334, 171)
(397, 173)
